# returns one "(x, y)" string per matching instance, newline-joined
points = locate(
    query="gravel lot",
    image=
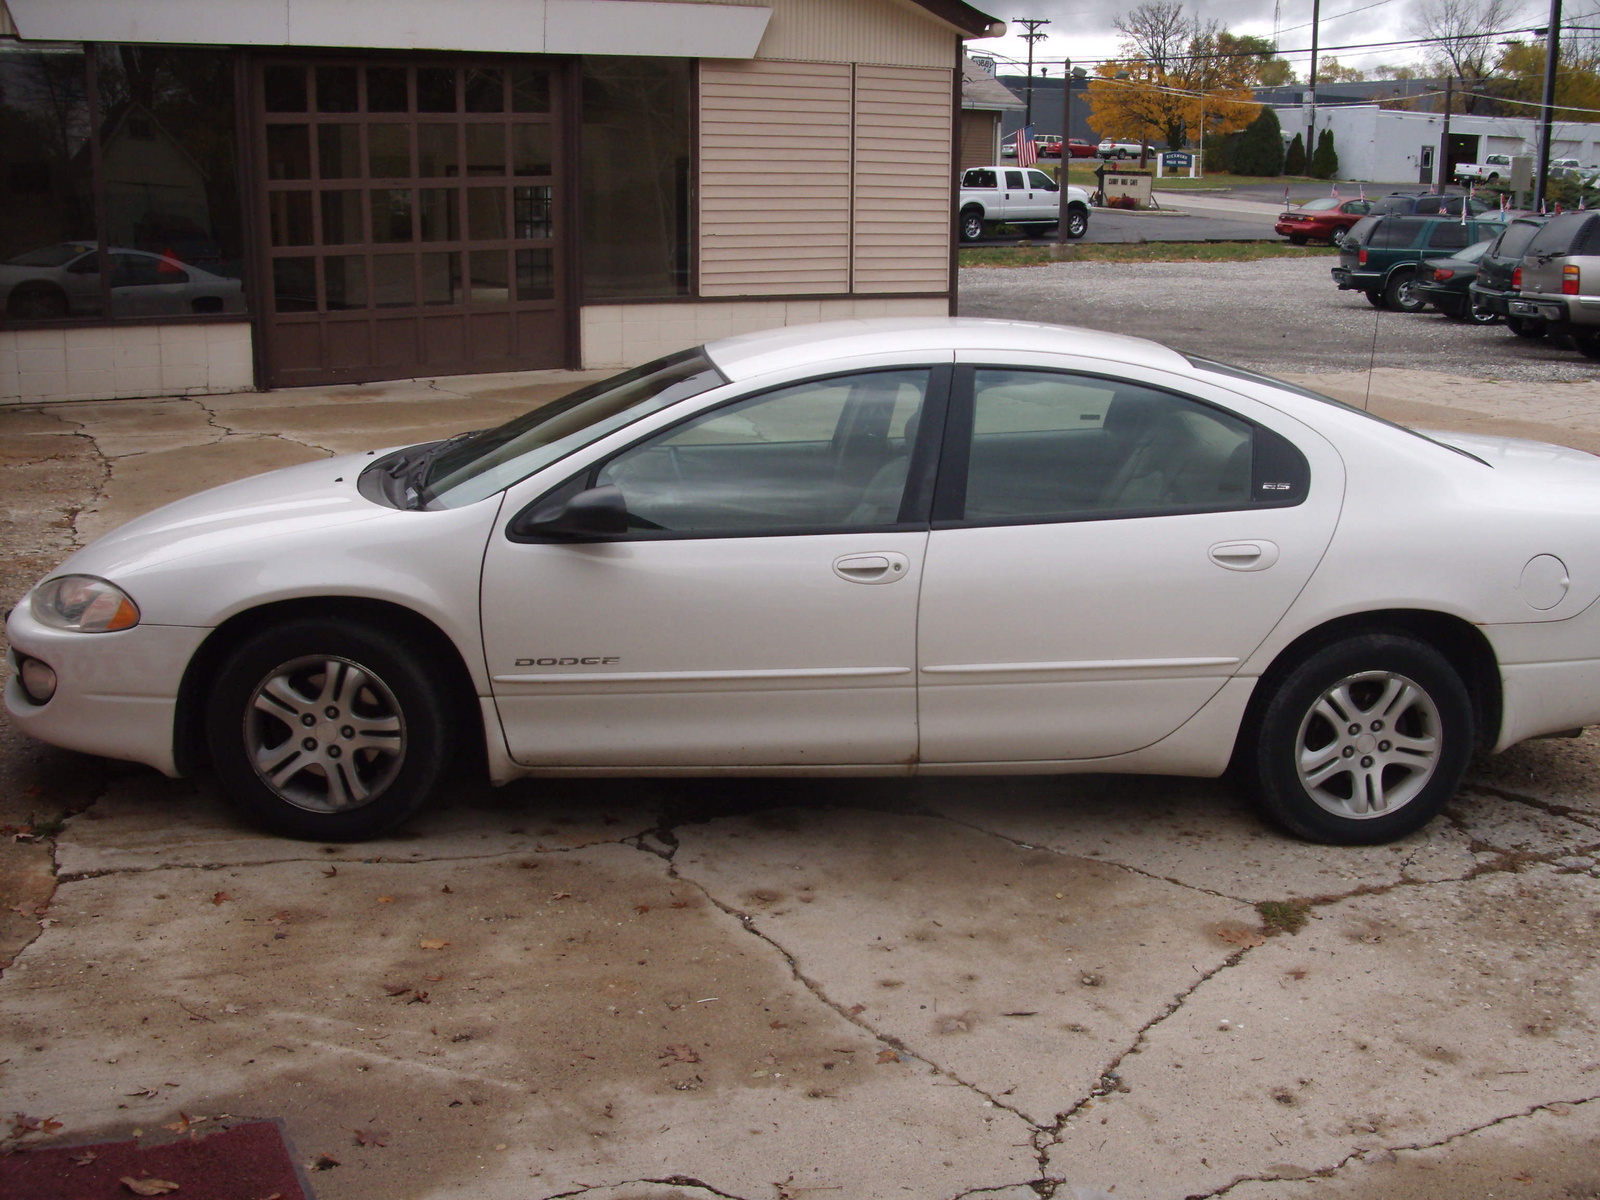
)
(1278, 315)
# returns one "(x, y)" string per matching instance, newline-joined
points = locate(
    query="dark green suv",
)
(1380, 255)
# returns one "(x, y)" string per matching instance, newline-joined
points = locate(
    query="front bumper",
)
(116, 693)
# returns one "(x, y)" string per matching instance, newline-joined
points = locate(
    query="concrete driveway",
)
(774, 990)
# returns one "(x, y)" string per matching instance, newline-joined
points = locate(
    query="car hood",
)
(318, 495)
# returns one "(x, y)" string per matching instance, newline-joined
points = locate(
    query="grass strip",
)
(1132, 252)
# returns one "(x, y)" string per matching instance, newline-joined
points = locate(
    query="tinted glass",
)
(44, 194)
(818, 454)
(1556, 235)
(1014, 179)
(1047, 444)
(980, 178)
(1040, 180)
(1397, 232)
(636, 177)
(1447, 235)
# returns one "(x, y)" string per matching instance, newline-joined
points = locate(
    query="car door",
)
(1044, 198)
(1015, 196)
(1105, 553)
(761, 612)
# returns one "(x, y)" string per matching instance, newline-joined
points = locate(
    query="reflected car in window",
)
(876, 547)
(63, 280)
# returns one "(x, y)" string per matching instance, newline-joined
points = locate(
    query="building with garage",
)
(214, 195)
(985, 103)
(1397, 146)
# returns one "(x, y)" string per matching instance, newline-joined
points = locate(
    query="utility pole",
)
(1311, 86)
(1033, 35)
(1068, 74)
(1551, 50)
(1444, 141)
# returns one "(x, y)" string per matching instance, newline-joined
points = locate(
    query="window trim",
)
(949, 504)
(915, 502)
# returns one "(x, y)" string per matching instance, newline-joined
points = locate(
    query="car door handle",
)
(1244, 556)
(872, 568)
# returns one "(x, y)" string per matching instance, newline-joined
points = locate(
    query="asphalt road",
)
(1107, 226)
(1276, 315)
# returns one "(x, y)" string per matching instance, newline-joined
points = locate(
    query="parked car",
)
(1560, 280)
(1021, 196)
(1078, 148)
(1499, 275)
(1493, 167)
(1380, 255)
(1324, 219)
(1427, 204)
(1115, 149)
(871, 547)
(63, 280)
(1047, 145)
(1444, 283)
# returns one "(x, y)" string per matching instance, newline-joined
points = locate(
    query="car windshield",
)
(50, 256)
(494, 459)
(1319, 205)
(1473, 252)
(1232, 372)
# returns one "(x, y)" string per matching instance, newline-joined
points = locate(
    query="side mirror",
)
(596, 513)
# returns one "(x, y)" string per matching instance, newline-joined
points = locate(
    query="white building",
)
(1394, 146)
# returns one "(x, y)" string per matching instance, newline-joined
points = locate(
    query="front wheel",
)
(1299, 239)
(326, 729)
(1478, 314)
(1077, 221)
(1376, 299)
(972, 225)
(1526, 327)
(1400, 293)
(1363, 742)
(1588, 344)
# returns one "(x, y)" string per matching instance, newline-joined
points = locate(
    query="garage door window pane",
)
(436, 89)
(288, 152)
(336, 89)
(388, 151)
(294, 284)
(386, 89)
(437, 155)
(1047, 444)
(486, 214)
(284, 89)
(532, 208)
(486, 149)
(530, 90)
(289, 214)
(393, 281)
(341, 218)
(488, 284)
(346, 277)
(530, 150)
(438, 212)
(817, 455)
(486, 90)
(391, 215)
(441, 278)
(535, 275)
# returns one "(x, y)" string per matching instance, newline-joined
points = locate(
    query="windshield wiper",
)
(412, 470)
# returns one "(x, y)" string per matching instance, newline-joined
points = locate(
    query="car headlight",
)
(83, 604)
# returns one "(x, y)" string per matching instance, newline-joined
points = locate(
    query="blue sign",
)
(1177, 158)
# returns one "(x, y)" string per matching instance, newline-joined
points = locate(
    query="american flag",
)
(1027, 152)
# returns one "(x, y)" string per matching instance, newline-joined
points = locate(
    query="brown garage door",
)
(410, 212)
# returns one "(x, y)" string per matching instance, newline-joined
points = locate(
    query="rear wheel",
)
(1376, 299)
(1299, 239)
(37, 302)
(1478, 314)
(1400, 293)
(1526, 327)
(326, 729)
(1363, 742)
(1588, 344)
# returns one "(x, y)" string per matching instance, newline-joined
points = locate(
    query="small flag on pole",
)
(1466, 203)
(1363, 188)
(1027, 152)
(1335, 191)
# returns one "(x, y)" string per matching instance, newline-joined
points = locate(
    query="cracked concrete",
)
(775, 990)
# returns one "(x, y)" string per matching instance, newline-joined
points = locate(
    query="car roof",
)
(832, 343)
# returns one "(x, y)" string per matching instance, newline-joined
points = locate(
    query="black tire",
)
(380, 740)
(973, 226)
(1299, 239)
(1381, 684)
(1526, 327)
(1399, 293)
(1477, 314)
(1588, 344)
(1077, 221)
(1376, 299)
(36, 302)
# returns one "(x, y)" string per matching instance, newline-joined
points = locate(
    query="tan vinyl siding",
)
(902, 213)
(978, 140)
(893, 32)
(774, 178)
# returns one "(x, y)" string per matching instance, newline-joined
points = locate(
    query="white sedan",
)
(63, 280)
(866, 548)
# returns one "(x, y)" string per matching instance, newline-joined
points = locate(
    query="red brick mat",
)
(247, 1162)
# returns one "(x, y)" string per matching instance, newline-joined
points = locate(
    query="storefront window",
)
(636, 165)
(164, 175)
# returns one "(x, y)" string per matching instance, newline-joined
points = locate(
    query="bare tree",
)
(1459, 42)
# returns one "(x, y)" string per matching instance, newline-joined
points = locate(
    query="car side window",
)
(824, 454)
(1050, 445)
(1041, 181)
(980, 177)
(1014, 179)
(1448, 235)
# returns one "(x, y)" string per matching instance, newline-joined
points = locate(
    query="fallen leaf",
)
(433, 943)
(447, 890)
(385, 899)
(1244, 938)
(184, 1121)
(1020, 1014)
(148, 1187)
(372, 1137)
(419, 998)
(680, 1052)
(641, 909)
(324, 1162)
(434, 978)
(887, 1056)
(144, 1091)
(777, 1025)
(680, 904)
(855, 1010)
(217, 898)
(30, 910)
(397, 989)
(561, 895)
(84, 1159)
(330, 872)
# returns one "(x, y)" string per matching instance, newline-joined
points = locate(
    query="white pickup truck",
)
(1493, 167)
(1023, 196)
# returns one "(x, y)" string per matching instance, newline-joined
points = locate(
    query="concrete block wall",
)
(625, 335)
(124, 362)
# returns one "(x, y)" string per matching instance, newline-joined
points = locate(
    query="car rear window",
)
(1561, 234)
(980, 177)
(1359, 231)
(1514, 241)
(1393, 232)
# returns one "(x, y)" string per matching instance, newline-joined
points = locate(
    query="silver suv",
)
(1560, 282)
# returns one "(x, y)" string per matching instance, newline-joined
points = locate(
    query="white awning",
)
(643, 27)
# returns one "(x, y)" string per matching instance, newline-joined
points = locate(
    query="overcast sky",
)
(1082, 30)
